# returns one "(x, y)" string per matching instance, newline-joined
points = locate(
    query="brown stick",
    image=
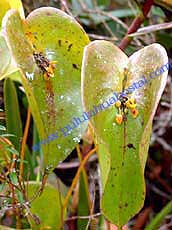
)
(23, 145)
(136, 23)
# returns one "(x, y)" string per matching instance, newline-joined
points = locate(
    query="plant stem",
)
(23, 144)
(12, 164)
(84, 176)
(136, 23)
(75, 180)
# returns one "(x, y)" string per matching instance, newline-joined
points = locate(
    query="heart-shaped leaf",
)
(122, 147)
(48, 35)
(46, 208)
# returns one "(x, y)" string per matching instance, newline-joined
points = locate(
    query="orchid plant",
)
(51, 56)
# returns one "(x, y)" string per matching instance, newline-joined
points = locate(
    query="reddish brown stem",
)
(136, 23)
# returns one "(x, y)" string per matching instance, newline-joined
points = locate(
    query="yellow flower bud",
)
(118, 104)
(131, 103)
(126, 111)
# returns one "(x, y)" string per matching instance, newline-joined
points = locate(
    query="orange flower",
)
(50, 70)
(119, 119)
(134, 112)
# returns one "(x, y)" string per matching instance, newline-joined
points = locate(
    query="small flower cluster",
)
(124, 105)
(50, 70)
(46, 66)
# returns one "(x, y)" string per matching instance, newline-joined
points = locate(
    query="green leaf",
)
(2, 128)
(12, 150)
(46, 207)
(12, 113)
(17, 4)
(5, 5)
(25, 162)
(120, 13)
(13, 178)
(4, 154)
(2, 186)
(54, 102)
(13, 73)
(7, 66)
(83, 202)
(122, 148)
(20, 196)
(7, 135)
(3, 227)
(5, 56)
